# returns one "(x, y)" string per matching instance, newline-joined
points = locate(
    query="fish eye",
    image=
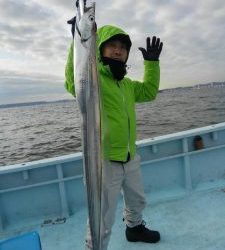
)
(91, 18)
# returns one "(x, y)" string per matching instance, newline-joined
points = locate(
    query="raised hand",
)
(153, 50)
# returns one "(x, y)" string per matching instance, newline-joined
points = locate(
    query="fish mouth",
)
(85, 39)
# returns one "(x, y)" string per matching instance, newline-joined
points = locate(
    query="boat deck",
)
(196, 221)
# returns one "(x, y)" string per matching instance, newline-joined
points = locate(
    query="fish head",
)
(87, 25)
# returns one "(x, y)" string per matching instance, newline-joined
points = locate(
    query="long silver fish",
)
(88, 99)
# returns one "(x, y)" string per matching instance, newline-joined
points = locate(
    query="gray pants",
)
(117, 177)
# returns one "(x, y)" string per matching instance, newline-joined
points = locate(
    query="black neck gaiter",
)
(117, 68)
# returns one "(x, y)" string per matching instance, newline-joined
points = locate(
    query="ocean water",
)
(43, 131)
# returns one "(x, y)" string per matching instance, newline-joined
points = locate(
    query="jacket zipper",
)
(128, 118)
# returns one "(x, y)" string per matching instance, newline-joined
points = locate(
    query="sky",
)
(34, 41)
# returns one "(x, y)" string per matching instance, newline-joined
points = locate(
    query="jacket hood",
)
(108, 32)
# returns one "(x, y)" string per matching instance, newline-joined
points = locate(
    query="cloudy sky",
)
(34, 40)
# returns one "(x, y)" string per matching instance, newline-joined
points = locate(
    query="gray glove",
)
(153, 50)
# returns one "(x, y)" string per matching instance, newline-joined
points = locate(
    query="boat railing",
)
(174, 165)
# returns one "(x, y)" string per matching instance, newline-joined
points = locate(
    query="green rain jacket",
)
(119, 98)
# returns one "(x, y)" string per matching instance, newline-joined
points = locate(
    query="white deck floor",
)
(194, 222)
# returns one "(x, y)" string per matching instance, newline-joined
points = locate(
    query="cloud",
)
(20, 10)
(192, 33)
(66, 5)
(16, 87)
(33, 30)
(35, 37)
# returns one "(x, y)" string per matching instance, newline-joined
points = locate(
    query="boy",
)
(119, 93)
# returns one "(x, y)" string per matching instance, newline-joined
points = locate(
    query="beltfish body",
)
(88, 99)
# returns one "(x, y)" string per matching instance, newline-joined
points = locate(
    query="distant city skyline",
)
(34, 40)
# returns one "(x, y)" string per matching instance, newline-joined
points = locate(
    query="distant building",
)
(210, 85)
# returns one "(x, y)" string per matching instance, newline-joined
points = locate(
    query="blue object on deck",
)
(28, 241)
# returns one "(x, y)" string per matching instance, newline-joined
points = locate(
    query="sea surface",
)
(36, 132)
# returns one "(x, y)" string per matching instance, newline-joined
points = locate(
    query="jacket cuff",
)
(151, 63)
